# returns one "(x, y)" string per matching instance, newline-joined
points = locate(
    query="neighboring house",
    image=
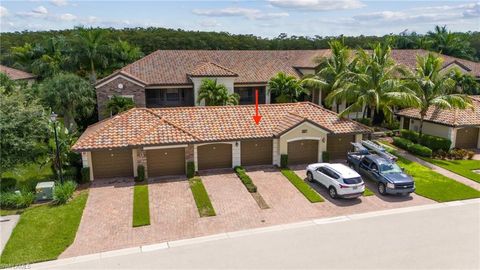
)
(462, 127)
(165, 139)
(172, 78)
(18, 75)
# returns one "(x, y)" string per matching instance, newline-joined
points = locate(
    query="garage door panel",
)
(113, 163)
(214, 156)
(339, 145)
(168, 161)
(259, 152)
(467, 138)
(302, 152)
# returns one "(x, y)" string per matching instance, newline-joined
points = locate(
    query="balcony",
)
(171, 97)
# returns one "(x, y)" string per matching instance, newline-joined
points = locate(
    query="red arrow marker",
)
(256, 117)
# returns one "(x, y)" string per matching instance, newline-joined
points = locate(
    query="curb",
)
(235, 234)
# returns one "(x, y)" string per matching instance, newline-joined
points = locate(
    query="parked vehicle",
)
(390, 178)
(340, 180)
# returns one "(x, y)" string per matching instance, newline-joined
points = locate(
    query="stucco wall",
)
(431, 128)
(197, 82)
(110, 89)
(305, 131)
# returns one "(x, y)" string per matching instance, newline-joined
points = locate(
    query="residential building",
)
(18, 75)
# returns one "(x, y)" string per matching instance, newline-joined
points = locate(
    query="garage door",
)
(467, 138)
(169, 161)
(257, 152)
(302, 152)
(214, 156)
(114, 163)
(339, 145)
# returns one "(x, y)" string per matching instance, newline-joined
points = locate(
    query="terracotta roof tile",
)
(16, 74)
(209, 69)
(141, 127)
(454, 117)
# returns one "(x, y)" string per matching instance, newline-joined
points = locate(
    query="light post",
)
(53, 117)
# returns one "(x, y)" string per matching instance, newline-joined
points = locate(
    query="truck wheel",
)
(309, 177)
(381, 189)
(332, 192)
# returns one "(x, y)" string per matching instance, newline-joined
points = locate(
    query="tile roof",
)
(16, 74)
(162, 126)
(209, 69)
(455, 117)
(171, 67)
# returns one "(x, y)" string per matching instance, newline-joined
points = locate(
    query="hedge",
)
(402, 142)
(325, 156)
(409, 135)
(435, 143)
(284, 161)
(246, 180)
(420, 150)
(7, 183)
(190, 169)
(140, 173)
(85, 172)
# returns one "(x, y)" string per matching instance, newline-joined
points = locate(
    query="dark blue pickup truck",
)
(390, 178)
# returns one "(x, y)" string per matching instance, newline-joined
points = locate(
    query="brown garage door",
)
(467, 138)
(112, 163)
(302, 152)
(214, 156)
(339, 145)
(169, 161)
(257, 152)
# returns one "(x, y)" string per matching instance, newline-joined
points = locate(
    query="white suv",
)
(340, 180)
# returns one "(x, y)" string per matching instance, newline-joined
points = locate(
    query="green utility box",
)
(44, 191)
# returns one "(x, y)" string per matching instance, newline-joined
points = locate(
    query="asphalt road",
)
(441, 238)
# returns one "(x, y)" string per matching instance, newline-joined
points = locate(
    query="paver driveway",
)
(107, 219)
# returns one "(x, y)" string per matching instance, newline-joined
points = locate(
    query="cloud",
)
(40, 10)
(59, 3)
(317, 5)
(3, 12)
(252, 14)
(473, 11)
(67, 17)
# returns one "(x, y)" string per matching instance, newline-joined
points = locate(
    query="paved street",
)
(441, 236)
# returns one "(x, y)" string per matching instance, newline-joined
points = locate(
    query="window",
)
(374, 167)
(365, 163)
(172, 95)
(247, 94)
(352, 181)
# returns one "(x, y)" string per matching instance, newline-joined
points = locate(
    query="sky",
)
(266, 18)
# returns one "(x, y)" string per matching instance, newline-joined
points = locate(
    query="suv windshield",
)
(351, 181)
(389, 168)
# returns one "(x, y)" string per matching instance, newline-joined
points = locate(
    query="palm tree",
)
(124, 53)
(91, 49)
(446, 42)
(215, 94)
(286, 87)
(432, 88)
(466, 83)
(53, 59)
(333, 75)
(118, 104)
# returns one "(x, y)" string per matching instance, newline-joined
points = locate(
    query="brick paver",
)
(107, 219)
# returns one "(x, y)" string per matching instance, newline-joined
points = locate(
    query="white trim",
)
(200, 144)
(309, 124)
(304, 138)
(169, 87)
(116, 77)
(165, 147)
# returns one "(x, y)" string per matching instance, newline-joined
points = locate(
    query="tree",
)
(53, 57)
(432, 88)
(23, 126)
(449, 43)
(70, 96)
(91, 48)
(8, 85)
(215, 94)
(286, 87)
(124, 53)
(466, 83)
(66, 139)
(118, 104)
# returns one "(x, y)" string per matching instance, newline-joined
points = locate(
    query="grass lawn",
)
(30, 174)
(303, 187)
(141, 209)
(200, 195)
(368, 192)
(433, 185)
(44, 232)
(8, 212)
(461, 167)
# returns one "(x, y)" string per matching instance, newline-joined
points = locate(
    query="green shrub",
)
(283, 161)
(246, 180)
(420, 150)
(303, 187)
(200, 195)
(70, 173)
(365, 121)
(435, 143)
(63, 192)
(409, 135)
(140, 173)
(325, 156)
(7, 183)
(85, 175)
(402, 143)
(190, 169)
(16, 200)
(394, 124)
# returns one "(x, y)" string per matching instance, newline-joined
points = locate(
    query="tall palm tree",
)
(432, 88)
(124, 53)
(215, 94)
(54, 57)
(446, 42)
(286, 87)
(91, 49)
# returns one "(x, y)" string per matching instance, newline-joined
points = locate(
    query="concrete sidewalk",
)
(7, 224)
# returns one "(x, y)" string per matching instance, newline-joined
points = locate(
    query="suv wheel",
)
(309, 177)
(381, 189)
(332, 192)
